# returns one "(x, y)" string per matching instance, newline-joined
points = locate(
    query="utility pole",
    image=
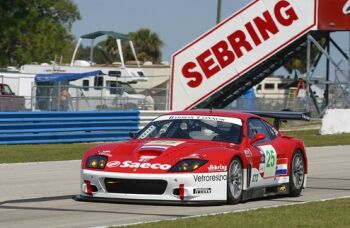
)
(218, 14)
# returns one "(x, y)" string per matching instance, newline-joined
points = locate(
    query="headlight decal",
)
(187, 165)
(96, 162)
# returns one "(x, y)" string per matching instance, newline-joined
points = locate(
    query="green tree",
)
(100, 56)
(147, 45)
(36, 30)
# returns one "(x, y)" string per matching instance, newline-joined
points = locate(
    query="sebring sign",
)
(236, 45)
(334, 15)
(346, 8)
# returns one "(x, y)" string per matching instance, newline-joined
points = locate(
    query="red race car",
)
(198, 156)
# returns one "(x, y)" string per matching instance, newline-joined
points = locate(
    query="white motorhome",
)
(114, 77)
(273, 87)
(125, 74)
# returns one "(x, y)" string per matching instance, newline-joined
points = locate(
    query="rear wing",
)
(280, 116)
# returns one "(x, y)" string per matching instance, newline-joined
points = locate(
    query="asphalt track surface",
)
(40, 194)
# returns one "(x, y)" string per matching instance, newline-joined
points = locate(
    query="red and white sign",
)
(334, 15)
(236, 45)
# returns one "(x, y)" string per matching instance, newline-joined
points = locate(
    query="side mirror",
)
(132, 135)
(257, 137)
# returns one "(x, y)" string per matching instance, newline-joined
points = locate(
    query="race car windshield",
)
(200, 129)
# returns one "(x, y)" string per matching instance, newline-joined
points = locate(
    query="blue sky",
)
(176, 22)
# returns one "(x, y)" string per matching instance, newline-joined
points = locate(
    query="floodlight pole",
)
(218, 14)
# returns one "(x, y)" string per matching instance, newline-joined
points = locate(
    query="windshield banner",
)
(205, 118)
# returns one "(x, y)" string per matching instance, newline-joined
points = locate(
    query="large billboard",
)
(334, 15)
(235, 46)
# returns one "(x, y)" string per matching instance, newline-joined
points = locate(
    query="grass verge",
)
(42, 152)
(313, 138)
(60, 152)
(333, 213)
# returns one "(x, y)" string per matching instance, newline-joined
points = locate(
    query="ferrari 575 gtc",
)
(199, 156)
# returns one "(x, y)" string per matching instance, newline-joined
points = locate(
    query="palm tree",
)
(147, 45)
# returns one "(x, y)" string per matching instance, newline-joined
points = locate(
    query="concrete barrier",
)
(71, 127)
(335, 121)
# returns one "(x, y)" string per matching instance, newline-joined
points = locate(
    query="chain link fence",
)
(50, 98)
(72, 98)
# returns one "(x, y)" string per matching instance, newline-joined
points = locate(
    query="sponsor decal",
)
(160, 145)
(262, 157)
(217, 168)
(198, 117)
(130, 164)
(198, 191)
(210, 178)
(346, 8)
(270, 160)
(145, 158)
(255, 178)
(113, 164)
(248, 153)
(281, 169)
(105, 153)
(261, 168)
(154, 147)
(282, 188)
(165, 143)
(147, 132)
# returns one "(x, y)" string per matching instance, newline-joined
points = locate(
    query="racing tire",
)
(235, 181)
(297, 174)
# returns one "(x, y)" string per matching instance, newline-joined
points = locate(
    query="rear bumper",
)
(180, 188)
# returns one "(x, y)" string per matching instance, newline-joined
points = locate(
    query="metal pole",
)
(326, 92)
(92, 51)
(348, 86)
(218, 14)
(119, 43)
(310, 94)
(75, 52)
(308, 69)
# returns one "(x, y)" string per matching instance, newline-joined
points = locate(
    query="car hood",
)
(155, 156)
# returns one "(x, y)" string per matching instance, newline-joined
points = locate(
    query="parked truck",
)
(9, 102)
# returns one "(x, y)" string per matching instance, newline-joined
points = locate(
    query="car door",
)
(265, 153)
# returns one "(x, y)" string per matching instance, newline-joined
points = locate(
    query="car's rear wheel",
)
(235, 181)
(297, 174)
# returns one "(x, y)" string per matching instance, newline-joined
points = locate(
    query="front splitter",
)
(153, 202)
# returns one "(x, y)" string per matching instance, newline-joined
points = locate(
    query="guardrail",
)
(148, 116)
(67, 127)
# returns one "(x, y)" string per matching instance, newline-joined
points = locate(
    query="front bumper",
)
(179, 188)
(152, 202)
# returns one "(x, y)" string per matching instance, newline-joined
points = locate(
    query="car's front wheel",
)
(297, 174)
(235, 181)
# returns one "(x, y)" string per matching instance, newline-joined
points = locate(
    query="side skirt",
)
(254, 193)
